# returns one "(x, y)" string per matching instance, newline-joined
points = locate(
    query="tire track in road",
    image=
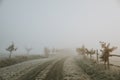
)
(56, 72)
(13, 72)
(33, 73)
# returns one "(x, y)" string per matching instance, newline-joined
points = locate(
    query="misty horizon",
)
(58, 24)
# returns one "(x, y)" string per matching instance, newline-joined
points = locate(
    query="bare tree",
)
(81, 50)
(106, 50)
(78, 50)
(11, 48)
(90, 52)
(46, 52)
(28, 50)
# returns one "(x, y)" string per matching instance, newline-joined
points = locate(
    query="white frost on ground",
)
(44, 73)
(72, 71)
(17, 70)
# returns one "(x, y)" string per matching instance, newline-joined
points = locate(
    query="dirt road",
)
(46, 69)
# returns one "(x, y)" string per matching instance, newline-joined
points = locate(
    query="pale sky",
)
(59, 23)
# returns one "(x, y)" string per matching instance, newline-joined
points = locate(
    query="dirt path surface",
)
(51, 70)
(43, 69)
(15, 71)
(31, 75)
(56, 72)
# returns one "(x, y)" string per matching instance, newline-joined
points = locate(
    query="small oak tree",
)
(90, 52)
(11, 48)
(81, 50)
(106, 50)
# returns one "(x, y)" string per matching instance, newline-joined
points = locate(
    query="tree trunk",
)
(28, 52)
(90, 56)
(97, 56)
(108, 63)
(10, 55)
(105, 64)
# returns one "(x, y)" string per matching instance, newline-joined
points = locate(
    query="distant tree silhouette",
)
(28, 50)
(78, 50)
(46, 52)
(90, 52)
(106, 53)
(81, 50)
(11, 48)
